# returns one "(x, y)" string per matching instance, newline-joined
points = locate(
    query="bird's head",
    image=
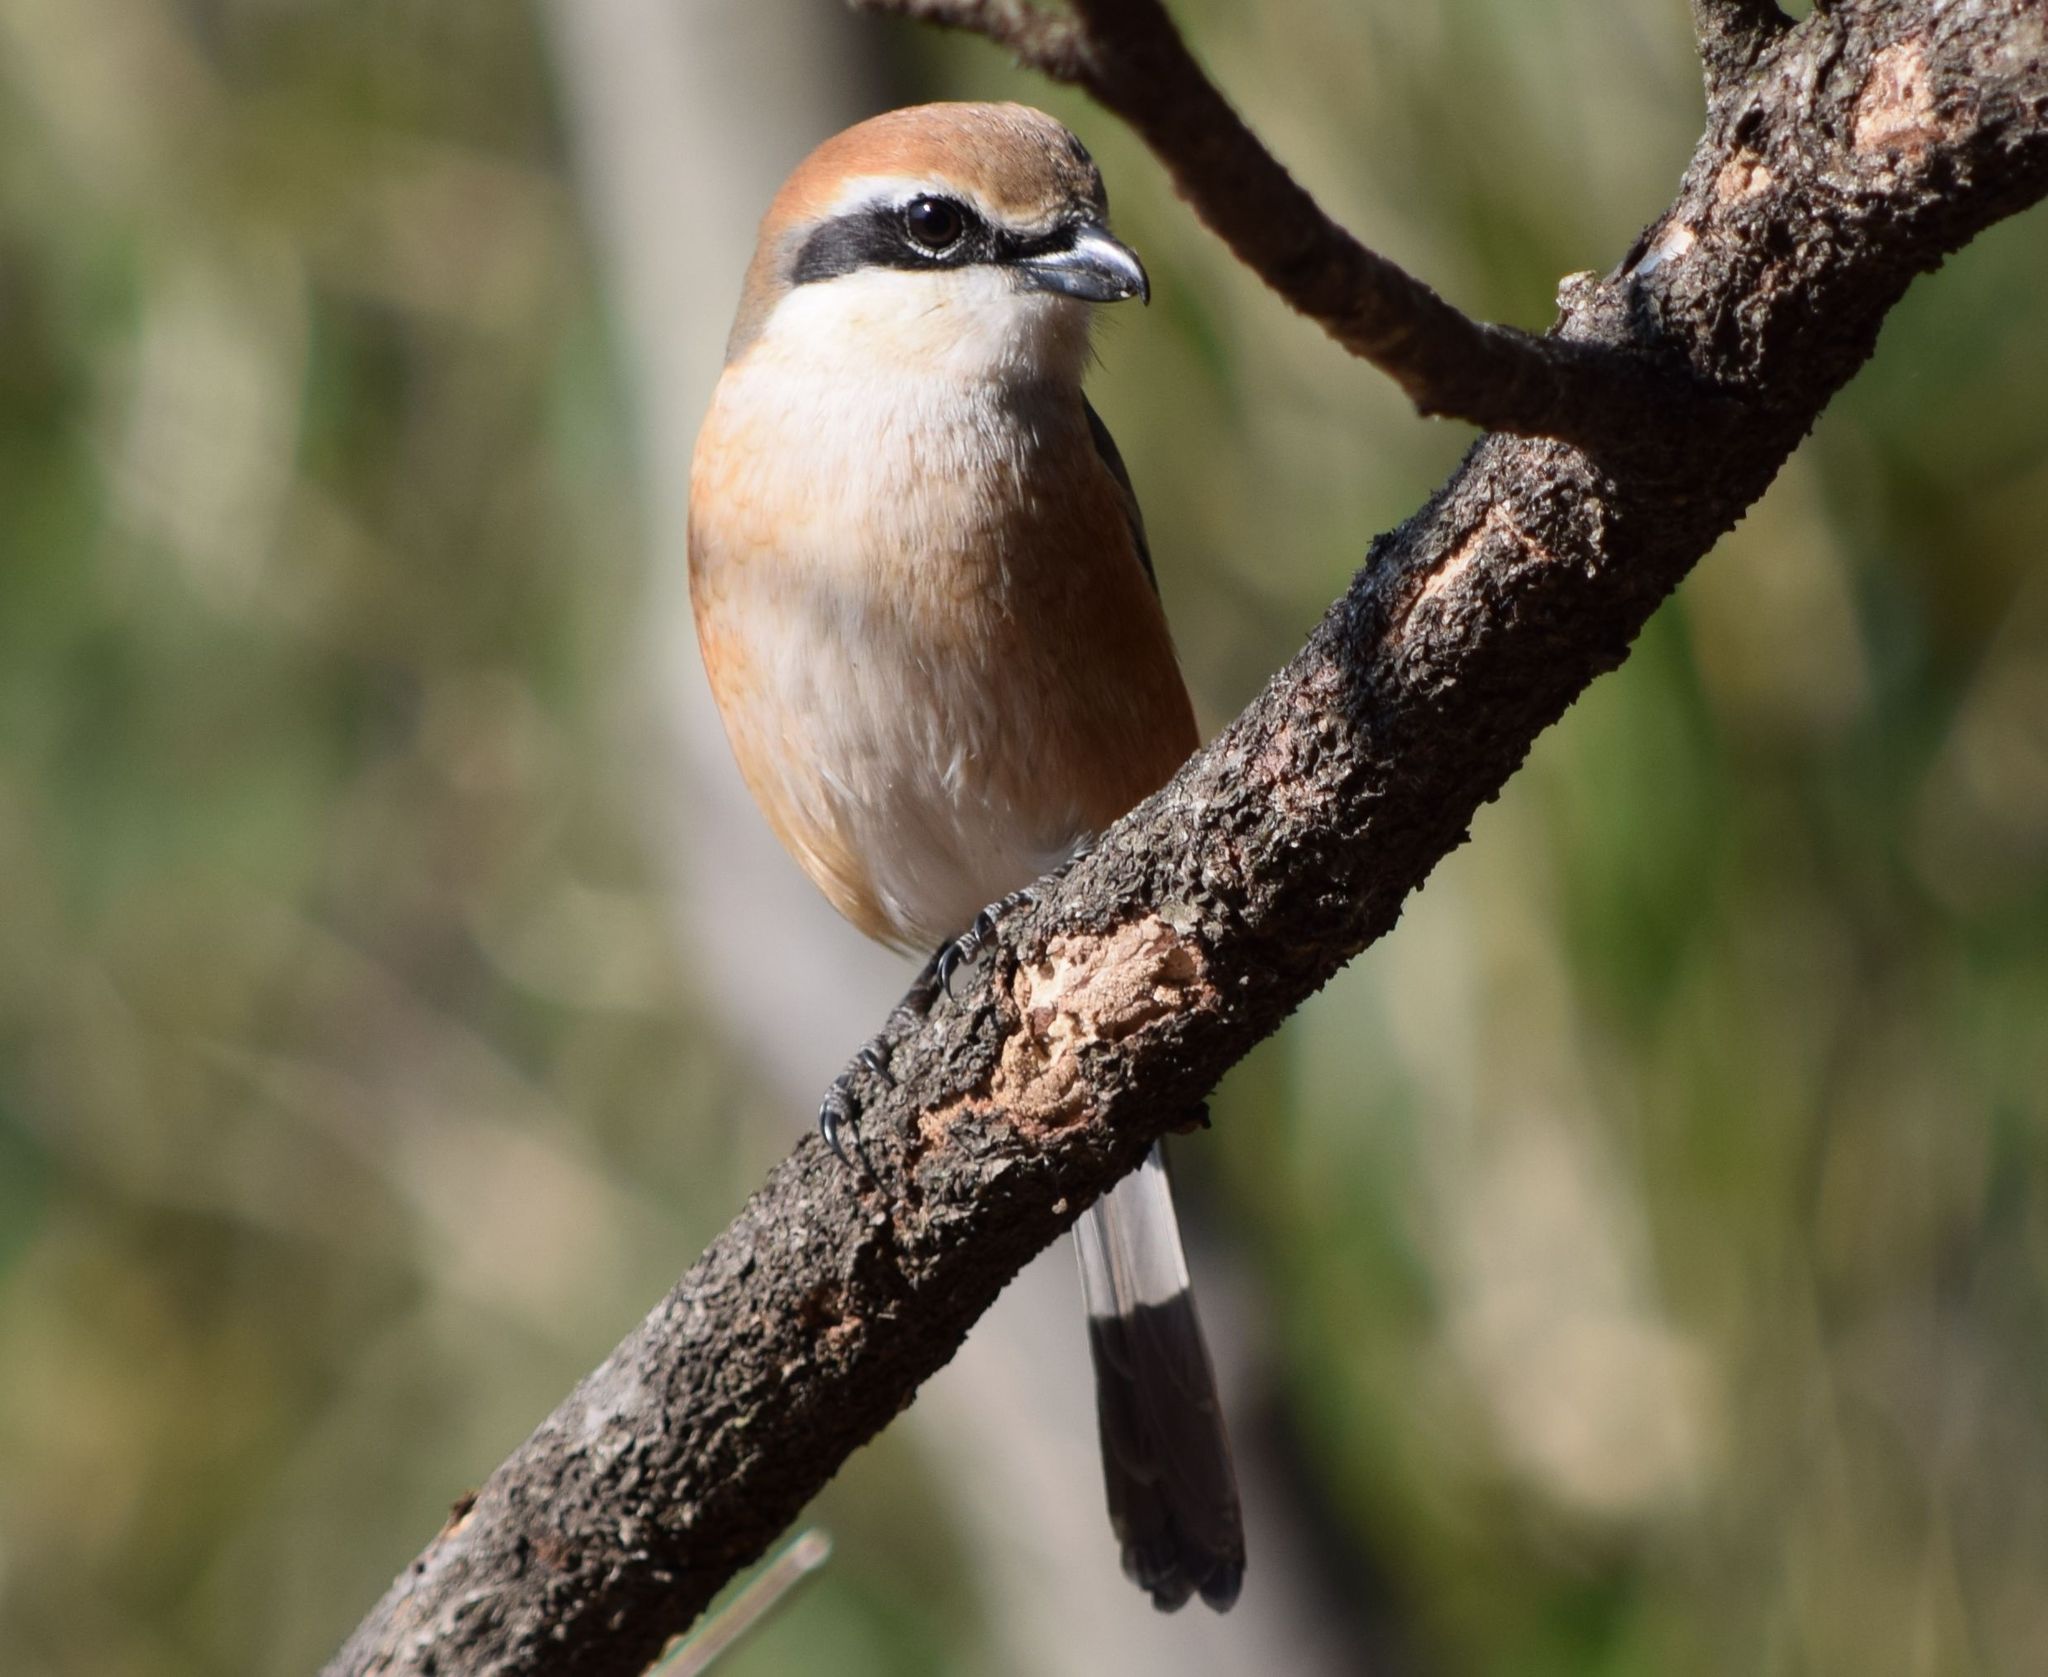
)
(956, 239)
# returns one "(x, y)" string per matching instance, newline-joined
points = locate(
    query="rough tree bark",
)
(1841, 158)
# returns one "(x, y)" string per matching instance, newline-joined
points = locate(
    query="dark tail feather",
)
(1165, 1456)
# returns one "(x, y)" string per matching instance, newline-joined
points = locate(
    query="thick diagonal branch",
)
(1873, 143)
(1130, 57)
(1732, 36)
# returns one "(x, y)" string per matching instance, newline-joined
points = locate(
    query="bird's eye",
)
(933, 223)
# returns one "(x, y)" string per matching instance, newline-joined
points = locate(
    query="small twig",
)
(764, 1592)
(1129, 56)
(1732, 35)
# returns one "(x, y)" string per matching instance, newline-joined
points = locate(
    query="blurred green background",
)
(1636, 1264)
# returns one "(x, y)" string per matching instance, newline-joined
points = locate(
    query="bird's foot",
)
(839, 1116)
(839, 1112)
(964, 948)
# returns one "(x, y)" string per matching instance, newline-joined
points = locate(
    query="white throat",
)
(973, 325)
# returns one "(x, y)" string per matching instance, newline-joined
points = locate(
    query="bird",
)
(931, 627)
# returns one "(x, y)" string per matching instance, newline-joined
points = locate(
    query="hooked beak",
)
(1087, 263)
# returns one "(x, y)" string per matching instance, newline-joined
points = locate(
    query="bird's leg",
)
(839, 1112)
(963, 949)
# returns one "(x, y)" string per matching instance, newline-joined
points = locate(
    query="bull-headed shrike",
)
(928, 615)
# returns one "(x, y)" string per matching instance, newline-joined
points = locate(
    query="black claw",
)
(839, 1124)
(835, 1118)
(951, 958)
(839, 1112)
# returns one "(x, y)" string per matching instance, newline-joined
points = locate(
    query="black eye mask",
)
(887, 236)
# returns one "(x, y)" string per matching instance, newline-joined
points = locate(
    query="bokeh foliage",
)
(1649, 1237)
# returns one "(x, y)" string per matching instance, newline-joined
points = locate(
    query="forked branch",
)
(1129, 56)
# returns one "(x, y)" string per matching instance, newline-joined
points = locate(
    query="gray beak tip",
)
(1093, 266)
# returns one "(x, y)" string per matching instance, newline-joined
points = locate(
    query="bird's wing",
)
(1105, 446)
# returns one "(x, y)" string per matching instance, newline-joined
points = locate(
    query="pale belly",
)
(891, 771)
(938, 676)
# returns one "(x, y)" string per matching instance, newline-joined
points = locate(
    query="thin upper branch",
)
(1049, 42)
(1889, 135)
(1131, 58)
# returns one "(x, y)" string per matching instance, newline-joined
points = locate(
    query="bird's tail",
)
(1165, 1456)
